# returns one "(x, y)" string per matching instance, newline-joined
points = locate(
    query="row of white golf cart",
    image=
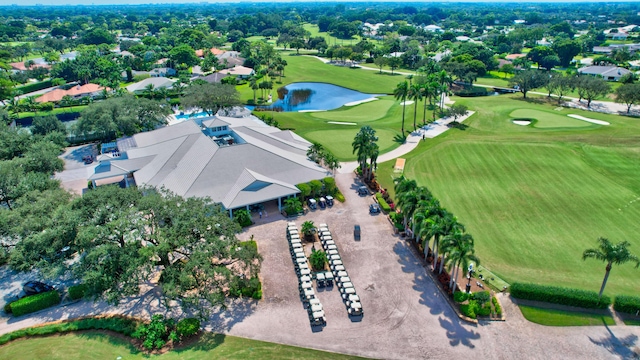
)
(308, 296)
(347, 290)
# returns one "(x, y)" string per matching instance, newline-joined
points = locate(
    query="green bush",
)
(155, 334)
(460, 296)
(496, 305)
(188, 327)
(482, 297)
(339, 197)
(318, 259)
(559, 295)
(7, 308)
(257, 295)
(305, 190)
(470, 309)
(383, 204)
(77, 291)
(246, 287)
(120, 325)
(174, 101)
(627, 304)
(330, 185)
(34, 303)
(484, 310)
(47, 106)
(242, 217)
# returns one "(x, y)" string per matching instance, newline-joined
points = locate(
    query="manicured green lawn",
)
(550, 119)
(551, 317)
(362, 113)
(535, 198)
(55, 111)
(92, 345)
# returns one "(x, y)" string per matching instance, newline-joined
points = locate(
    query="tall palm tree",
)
(31, 104)
(445, 225)
(459, 246)
(401, 91)
(410, 202)
(365, 146)
(415, 94)
(445, 81)
(611, 254)
(149, 91)
(315, 151)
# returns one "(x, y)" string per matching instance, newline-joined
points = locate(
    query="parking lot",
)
(405, 316)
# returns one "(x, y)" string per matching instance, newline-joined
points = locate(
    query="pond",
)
(310, 96)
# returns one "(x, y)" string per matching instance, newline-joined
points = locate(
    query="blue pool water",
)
(314, 96)
(191, 116)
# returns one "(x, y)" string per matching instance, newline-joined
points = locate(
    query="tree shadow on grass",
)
(400, 139)
(621, 347)
(113, 338)
(432, 298)
(207, 342)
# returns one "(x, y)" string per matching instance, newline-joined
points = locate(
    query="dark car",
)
(362, 190)
(88, 159)
(374, 209)
(36, 287)
(356, 232)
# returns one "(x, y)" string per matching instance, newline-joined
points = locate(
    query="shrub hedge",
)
(188, 327)
(77, 291)
(120, 325)
(34, 303)
(474, 91)
(34, 86)
(559, 295)
(470, 309)
(627, 304)
(496, 305)
(383, 204)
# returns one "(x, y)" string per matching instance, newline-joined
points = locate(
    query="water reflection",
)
(313, 96)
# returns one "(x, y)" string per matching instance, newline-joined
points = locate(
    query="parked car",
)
(87, 159)
(329, 200)
(36, 287)
(356, 232)
(312, 204)
(362, 190)
(374, 209)
(322, 202)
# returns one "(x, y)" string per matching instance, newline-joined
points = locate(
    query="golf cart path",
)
(428, 132)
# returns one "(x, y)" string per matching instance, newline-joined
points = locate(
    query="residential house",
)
(76, 92)
(157, 82)
(239, 71)
(20, 66)
(609, 73)
(163, 72)
(213, 78)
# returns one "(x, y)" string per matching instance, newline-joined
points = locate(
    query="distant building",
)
(76, 92)
(157, 82)
(162, 72)
(239, 71)
(609, 73)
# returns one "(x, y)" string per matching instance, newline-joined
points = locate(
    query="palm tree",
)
(365, 146)
(611, 254)
(401, 91)
(14, 106)
(31, 104)
(415, 94)
(459, 246)
(149, 91)
(332, 162)
(315, 151)
(308, 229)
(440, 226)
(444, 80)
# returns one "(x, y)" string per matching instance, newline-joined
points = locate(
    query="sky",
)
(139, 2)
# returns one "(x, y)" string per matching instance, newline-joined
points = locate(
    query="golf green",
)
(339, 141)
(366, 112)
(549, 120)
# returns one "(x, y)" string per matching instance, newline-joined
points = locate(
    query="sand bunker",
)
(306, 111)
(408, 102)
(341, 123)
(522, 122)
(354, 103)
(594, 121)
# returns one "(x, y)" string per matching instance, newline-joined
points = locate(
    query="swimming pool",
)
(309, 96)
(191, 116)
